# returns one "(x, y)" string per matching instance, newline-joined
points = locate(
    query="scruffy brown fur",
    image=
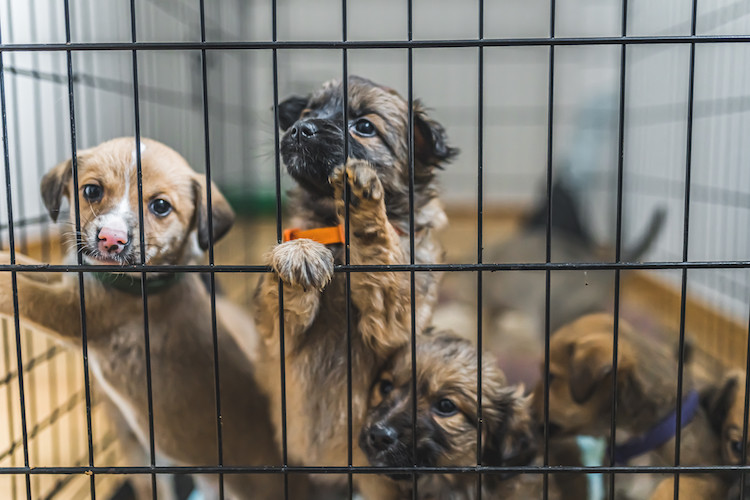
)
(315, 301)
(315, 361)
(446, 422)
(580, 389)
(180, 324)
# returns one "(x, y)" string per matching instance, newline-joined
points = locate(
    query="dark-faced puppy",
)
(446, 423)
(377, 132)
(315, 299)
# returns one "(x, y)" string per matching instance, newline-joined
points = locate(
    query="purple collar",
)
(660, 433)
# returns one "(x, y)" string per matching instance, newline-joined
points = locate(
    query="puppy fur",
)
(446, 423)
(315, 302)
(725, 404)
(181, 345)
(580, 389)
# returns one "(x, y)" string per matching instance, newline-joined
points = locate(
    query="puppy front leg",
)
(383, 298)
(49, 300)
(305, 267)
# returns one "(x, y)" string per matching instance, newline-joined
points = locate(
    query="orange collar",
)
(331, 235)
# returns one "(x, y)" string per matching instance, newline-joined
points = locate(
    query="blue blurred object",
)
(592, 455)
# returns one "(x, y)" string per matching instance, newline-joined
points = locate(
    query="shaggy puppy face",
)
(447, 405)
(377, 131)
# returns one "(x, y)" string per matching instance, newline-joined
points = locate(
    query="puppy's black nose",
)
(382, 437)
(304, 130)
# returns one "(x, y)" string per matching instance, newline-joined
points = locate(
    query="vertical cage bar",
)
(142, 242)
(38, 130)
(480, 235)
(14, 278)
(21, 213)
(347, 251)
(412, 284)
(212, 277)
(618, 244)
(279, 234)
(81, 289)
(9, 403)
(548, 243)
(685, 245)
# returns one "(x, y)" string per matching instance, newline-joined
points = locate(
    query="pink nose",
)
(112, 240)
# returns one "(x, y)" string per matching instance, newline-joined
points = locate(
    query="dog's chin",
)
(390, 459)
(311, 169)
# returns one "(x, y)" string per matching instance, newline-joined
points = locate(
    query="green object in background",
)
(252, 203)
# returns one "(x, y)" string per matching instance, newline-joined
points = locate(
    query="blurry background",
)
(514, 137)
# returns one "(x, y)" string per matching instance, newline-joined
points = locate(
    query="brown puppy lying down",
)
(726, 407)
(179, 312)
(446, 423)
(580, 394)
(315, 300)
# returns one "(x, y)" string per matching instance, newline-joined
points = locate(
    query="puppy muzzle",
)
(311, 149)
(385, 447)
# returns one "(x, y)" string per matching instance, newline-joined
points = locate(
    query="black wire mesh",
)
(24, 370)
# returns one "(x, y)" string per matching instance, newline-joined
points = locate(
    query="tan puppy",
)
(446, 422)
(580, 393)
(315, 322)
(179, 312)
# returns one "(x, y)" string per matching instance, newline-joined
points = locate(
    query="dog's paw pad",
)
(364, 181)
(303, 263)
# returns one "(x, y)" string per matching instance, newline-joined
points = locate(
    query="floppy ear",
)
(717, 401)
(290, 109)
(509, 440)
(590, 365)
(54, 184)
(222, 215)
(430, 140)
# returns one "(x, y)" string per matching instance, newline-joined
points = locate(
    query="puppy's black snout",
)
(304, 130)
(382, 437)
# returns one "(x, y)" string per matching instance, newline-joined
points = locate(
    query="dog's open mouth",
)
(94, 257)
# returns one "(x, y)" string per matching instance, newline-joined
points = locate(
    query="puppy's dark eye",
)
(93, 192)
(160, 207)
(736, 447)
(364, 127)
(386, 386)
(445, 408)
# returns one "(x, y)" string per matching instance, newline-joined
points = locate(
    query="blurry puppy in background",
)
(581, 375)
(725, 404)
(446, 422)
(315, 300)
(513, 302)
(176, 222)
